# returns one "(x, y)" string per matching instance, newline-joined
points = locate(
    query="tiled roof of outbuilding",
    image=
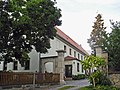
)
(69, 58)
(69, 40)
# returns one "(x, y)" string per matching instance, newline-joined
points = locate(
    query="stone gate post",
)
(60, 65)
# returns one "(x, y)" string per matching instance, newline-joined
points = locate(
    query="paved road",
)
(76, 83)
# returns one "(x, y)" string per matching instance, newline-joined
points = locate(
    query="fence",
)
(22, 78)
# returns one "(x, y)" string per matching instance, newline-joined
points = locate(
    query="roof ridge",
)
(70, 40)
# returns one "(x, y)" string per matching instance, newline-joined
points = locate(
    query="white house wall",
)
(1, 65)
(74, 67)
(75, 72)
(57, 44)
(34, 61)
(34, 64)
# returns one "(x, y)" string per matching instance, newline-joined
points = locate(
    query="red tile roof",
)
(69, 40)
(69, 58)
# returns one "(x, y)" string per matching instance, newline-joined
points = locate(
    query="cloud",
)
(78, 17)
(102, 2)
(78, 5)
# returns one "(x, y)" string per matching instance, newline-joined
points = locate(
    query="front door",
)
(68, 70)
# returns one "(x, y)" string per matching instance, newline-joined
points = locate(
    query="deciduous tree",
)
(90, 63)
(25, 24)
(113, 46)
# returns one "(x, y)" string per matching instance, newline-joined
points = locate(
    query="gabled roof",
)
(69, 58)
(69, 40)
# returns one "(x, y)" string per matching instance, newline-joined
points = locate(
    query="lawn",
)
(99, 88)
(66, 87)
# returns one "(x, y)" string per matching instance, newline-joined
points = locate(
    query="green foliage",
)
(100, 78)
(25, 24)
(113, 46)
(91, 62)
(66, 87)
(79, 77)
(87, 88)
(99, 87)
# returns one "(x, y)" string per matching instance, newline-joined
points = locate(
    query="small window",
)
(81, 57)
(74, 53)
(78, 67)
(5, 66)
(15, 65)
(82, 69)
(78, 56)
(27, 65)
(64, 47)
(70, 51)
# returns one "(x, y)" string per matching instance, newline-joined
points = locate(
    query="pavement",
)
(76, 83)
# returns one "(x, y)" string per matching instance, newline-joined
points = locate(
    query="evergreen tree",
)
(98, 32)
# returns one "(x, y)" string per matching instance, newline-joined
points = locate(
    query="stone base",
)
(115, 79)
(62, 82)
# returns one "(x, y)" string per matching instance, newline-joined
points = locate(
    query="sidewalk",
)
(76, 83)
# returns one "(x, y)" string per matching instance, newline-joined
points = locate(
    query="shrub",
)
(79, 76)
(99, 87)
(100, 78)
(106, 88)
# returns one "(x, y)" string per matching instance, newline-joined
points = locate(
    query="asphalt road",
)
(76, 83)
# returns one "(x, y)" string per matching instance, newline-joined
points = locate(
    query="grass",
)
(99, 88)
(66, 87)
(86, 88)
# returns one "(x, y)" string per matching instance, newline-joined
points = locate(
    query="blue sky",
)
(78, 17)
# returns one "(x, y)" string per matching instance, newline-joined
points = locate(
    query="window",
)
(78, 56)
(15, 65)
(27, 65)
(5, 66)
(77, 67)
(81, 57)
(82, 69)
(70, 51)
(74, 53)
(64, 47)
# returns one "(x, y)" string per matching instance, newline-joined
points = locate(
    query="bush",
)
(106, 88)
(100, 78)
(79, 76)
(99, 87)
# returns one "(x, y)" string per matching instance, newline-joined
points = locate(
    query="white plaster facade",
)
(74, 67)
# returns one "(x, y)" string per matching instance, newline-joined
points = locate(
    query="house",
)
(74, 53)
(62, 42)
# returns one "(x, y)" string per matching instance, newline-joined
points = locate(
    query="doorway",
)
(68, 70)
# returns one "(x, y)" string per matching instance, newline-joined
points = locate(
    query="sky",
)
(78, 17)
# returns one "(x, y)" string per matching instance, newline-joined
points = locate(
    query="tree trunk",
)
(93, 81)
